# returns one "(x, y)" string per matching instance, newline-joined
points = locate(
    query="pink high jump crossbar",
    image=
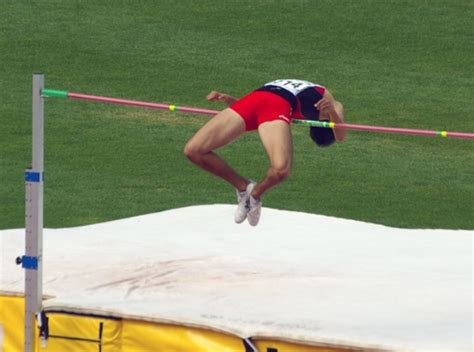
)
(325, 124)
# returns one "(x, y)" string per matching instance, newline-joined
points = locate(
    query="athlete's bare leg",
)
(276, 138)
(222, 129)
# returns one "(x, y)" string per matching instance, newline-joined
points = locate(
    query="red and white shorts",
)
(258, 107)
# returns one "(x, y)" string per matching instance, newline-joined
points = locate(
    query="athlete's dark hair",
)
(323, 137)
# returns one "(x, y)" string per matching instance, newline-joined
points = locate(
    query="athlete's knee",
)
(192, 151)
(281, 172)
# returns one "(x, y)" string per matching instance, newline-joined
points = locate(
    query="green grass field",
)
(392, 63)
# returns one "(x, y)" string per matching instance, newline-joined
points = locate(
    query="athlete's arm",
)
(332, 110)
(217, 96)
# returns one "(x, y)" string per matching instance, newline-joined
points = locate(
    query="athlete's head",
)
(323, 137)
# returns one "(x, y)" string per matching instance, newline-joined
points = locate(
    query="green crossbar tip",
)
(312, 123)
(54, 93)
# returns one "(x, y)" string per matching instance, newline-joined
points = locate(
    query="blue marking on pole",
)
(33, 176)
(29, 262)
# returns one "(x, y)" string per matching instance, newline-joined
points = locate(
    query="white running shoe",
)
(243, 207)
(255, 208)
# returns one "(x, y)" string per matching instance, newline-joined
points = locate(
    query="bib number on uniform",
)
(295, 86)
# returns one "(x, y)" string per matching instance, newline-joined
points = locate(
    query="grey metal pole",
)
(32, 260)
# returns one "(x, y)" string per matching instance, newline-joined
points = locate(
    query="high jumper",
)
(269, 110)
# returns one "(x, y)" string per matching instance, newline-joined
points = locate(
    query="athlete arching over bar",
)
(269, 109)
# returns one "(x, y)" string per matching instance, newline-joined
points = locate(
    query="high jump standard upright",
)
(32, 260)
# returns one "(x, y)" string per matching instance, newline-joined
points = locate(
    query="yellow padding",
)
(69, 332)
(82, 333)
(265, 345)
(139, 336)
(12, 317)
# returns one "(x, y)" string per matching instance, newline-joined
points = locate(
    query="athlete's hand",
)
(217, 96)
(325, 106)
